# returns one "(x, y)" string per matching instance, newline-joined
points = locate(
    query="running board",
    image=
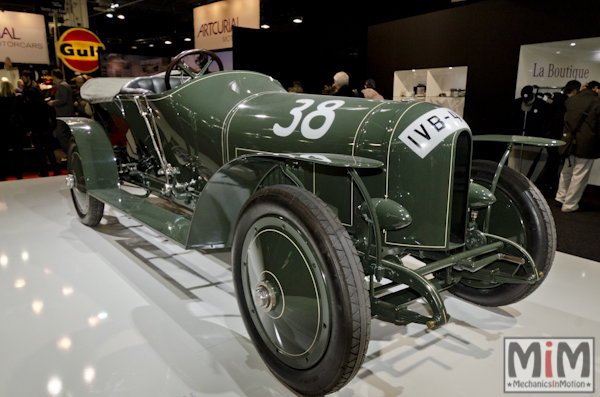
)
(174, 226)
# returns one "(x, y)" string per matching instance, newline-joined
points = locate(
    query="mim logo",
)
(561, 365)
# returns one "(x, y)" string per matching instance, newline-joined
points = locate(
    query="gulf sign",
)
(78, 49)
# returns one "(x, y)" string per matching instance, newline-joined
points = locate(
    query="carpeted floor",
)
(578, 232)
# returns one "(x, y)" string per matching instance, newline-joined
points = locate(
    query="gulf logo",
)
(78, 49)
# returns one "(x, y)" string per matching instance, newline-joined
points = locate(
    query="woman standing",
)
(12, 130)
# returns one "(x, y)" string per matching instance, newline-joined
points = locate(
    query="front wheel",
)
(301, 289)
(520, 214)
(89, 210)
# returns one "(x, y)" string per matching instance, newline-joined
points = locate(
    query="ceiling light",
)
(114, 5)
(297, 20)
(265, 26)
(187, 39)
(109, 15)
(151, 45)
(168, 42)
(558, 52)
(133, 47)
(121, 16)
(573, 44)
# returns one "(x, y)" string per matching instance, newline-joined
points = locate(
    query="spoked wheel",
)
(177, 63)
(520, 214)
(301, 289)
(89, 209)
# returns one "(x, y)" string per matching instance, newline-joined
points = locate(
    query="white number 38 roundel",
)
(324, 109)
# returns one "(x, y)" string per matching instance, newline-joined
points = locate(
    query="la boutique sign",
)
(213, 23)
(23, 37)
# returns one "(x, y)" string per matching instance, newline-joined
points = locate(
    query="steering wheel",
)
(178, 63)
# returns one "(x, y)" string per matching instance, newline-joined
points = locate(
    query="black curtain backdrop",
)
(310, 56)
(484, 36)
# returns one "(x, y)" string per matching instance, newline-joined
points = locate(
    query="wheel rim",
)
(286, 292)
(81, 199)
(507, 216)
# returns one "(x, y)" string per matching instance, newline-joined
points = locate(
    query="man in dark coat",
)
(29, 83)
(548, 178)
(576, 170)
(63, 104)
(341, 82)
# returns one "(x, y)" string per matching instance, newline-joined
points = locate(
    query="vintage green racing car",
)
(320, 199)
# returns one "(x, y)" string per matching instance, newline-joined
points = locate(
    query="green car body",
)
(228, 123)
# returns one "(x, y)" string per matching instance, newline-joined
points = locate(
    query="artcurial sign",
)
(213, 23)
(559, 365)
(78, 49)
(23, 37)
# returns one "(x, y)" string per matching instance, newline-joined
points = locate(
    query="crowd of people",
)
(341, 87)
(30, 120)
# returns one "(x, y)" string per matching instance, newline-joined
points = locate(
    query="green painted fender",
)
(227, 191)
(524, 140)
(97, 155)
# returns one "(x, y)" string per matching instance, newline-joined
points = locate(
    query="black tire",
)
(518, 200)
(89, 210)
(298, 242)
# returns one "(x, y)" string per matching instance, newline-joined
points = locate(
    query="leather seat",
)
(148, 85)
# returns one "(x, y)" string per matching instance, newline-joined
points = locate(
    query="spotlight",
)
(297, 20)
(187, 39)
(121, 16)
(168, 42)
(109, 15)
(265, 26)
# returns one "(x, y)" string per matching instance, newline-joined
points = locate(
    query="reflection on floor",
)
(119, 311)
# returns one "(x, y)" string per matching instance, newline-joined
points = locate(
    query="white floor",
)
(118, 311)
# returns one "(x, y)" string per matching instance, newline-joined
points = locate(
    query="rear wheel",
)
(301, 289)
(520, 214)
(89, 209)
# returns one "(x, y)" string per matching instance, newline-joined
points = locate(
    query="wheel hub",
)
(70, 181)
(264, 296)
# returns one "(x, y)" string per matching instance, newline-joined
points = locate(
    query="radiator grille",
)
(460, 188)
